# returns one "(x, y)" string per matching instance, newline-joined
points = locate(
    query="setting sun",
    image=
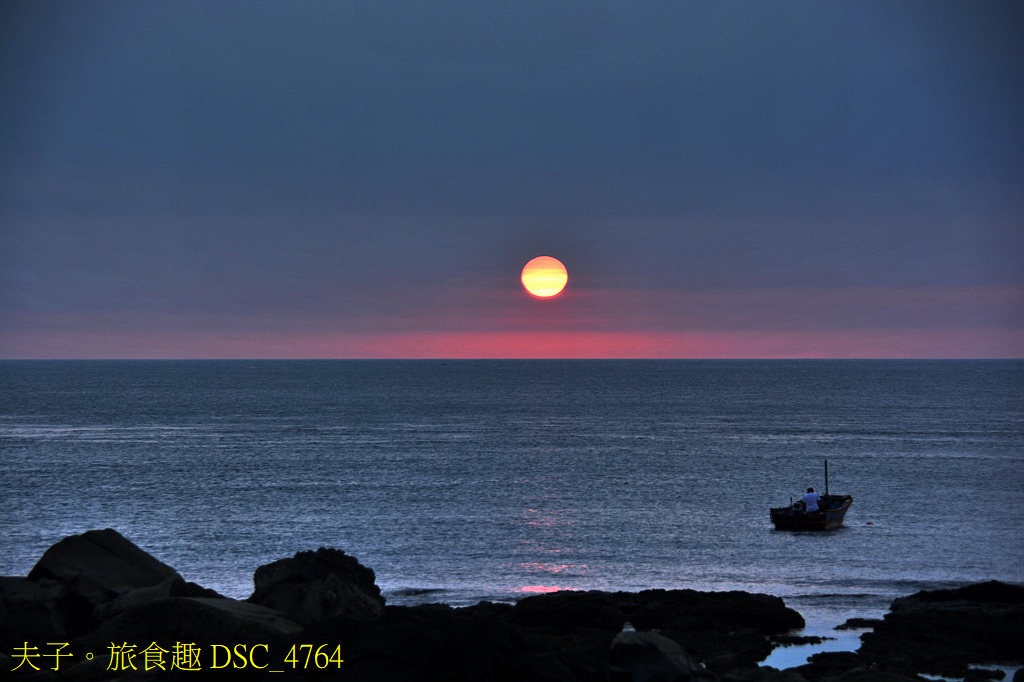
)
(544, 276)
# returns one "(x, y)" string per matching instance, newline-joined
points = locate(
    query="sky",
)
(367, 178)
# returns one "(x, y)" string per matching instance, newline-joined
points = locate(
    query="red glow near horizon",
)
(937, 343)
(543, 589)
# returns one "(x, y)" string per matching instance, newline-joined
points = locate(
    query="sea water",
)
(458, 481)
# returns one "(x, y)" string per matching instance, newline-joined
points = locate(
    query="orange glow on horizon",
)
(544, 277)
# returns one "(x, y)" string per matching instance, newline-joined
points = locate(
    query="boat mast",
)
(826, 477)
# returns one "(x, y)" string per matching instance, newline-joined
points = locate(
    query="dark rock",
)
(429, 642)
(790, 640)
(831, 665)
(198, 620)
(867, 675)
(859, 623)
(101, 568)
(32, 611)
(745, 673)
(722, 664)
(836, 660)
(705, 624)
(312, 586)
(941, 632)
(652, 657)
(102, 557)
(991, 592)
(978, 674)
(171, 587)
(770, 674)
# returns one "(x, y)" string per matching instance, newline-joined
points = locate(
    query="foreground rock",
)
(312, 586)
(944, 632)
(705, 624)
(105, 558)
(651, 657)
(108, 601)
(79, 583)
(31, 610)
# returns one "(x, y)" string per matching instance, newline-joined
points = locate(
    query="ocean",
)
(459, 481)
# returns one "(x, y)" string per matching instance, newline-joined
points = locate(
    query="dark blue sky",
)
(354, 179)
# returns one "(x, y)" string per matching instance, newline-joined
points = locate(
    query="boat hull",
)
(788, 518)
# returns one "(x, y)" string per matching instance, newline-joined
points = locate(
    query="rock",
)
(941, 632)
(859, 623)
(770, 674)
(103, 557)
(718, 665)
(200, 620)
(705, 624)
(836, 660)
(428, 642)
(312, 586)
(864, 675)
(745, 673)
(652, 657)
(790, 640)
(990, 592)
(32, 611)
(95, 568)
(171, 587)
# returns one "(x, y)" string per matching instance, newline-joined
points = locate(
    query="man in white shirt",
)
(811, 500)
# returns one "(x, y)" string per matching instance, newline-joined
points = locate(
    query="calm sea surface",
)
(465, 480)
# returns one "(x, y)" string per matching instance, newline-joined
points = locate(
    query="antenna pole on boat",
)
(826, 477)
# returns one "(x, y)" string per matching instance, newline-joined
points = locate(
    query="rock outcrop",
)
(320, 615)
(31, 610)
(943, 632)
(653, 657)
(706, 624)
(312, 586)
(104, 558)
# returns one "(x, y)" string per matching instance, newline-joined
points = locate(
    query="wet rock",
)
(941, 632)
(312, 586)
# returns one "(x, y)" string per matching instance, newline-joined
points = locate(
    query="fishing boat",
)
(830, 514)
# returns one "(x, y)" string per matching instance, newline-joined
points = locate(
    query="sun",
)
(544, 276)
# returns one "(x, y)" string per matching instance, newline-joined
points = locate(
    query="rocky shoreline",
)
(96, 607)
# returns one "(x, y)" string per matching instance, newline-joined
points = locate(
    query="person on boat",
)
(811, 500)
